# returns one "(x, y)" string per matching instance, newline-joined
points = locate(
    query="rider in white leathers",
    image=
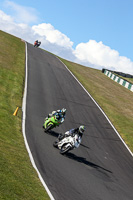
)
(77, 133)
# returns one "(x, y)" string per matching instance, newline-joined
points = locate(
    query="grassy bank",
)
(115, 100)
(18, 179)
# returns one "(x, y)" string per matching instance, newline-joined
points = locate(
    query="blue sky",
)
(96, 33)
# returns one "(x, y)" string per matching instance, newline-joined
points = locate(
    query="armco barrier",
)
(119, 80)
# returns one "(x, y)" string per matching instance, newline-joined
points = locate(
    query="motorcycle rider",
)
(60, 114)
(36, 42)
(72, 132)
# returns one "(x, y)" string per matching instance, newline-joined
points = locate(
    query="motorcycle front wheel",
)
(48, 128)
(65, 149)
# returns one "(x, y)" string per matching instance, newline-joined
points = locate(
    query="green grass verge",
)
(18, 179)
(115, 100)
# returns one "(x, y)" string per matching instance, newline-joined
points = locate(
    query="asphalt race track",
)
(102, 167)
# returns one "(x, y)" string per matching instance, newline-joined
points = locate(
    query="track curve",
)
(102, 167)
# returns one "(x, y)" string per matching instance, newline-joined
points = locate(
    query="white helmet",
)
(81, 129)
(63, 111)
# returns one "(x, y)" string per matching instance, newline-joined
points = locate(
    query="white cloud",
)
(52, 35)
(100, 55)
(92, 54)
(5, 17)
(7, 24)
(51, 39)
(21, 14)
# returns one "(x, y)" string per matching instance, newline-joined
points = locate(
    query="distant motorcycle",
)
(51, 123)
(66, 144)
(37, 44)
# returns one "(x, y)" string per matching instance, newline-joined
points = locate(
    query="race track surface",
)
(101, 168)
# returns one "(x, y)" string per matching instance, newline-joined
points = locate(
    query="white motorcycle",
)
(67, 143)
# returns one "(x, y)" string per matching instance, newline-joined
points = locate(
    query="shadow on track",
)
(84, 161)
(81, 159)
(84, 146)
(53, 133)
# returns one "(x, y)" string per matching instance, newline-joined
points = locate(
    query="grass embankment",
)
(115, 100)
(18, 179)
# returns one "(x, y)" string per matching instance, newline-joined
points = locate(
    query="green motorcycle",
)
(51, 123)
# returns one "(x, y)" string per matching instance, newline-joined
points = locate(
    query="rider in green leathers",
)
(60, 115)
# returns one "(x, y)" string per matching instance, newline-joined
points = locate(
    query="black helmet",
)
(81, 129)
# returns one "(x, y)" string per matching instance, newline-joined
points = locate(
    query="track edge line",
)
(98, 107)
(23, 127)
